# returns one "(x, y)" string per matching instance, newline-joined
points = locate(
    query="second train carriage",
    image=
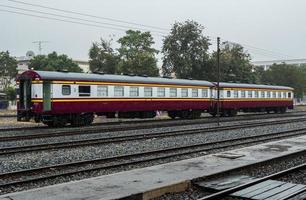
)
(236, 97)
(58, 98)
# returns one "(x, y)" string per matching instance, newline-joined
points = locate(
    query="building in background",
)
(23, 63)
(267, 64)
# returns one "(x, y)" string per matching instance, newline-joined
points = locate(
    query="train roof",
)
(259, 86)
(71, 76)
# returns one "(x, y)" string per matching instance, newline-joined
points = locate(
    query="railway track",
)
(227, 192)
(125, 138)
(158, 121)
(139, 126)
(19, 178)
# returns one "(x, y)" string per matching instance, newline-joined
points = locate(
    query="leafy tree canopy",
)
(10, 93)
(103, 58)
(286, 75)
(8, 65)
(185, 51)
(54, 62)
(234, 64)
(137, 56)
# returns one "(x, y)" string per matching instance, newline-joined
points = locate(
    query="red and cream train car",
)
(236, 97)
(58, 98)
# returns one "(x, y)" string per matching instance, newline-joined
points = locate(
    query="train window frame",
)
(236, 94)
(228, 93)
(134, 91)
(262, 95)
(173, 92)
(102, 91)
(243, 95)
(274, 94)
(161, 92)
(118, 91)
(256, 94)
(250, 94)
(268, 94)
(83, 93)
(205, 93)
(64, 87)
(194, 92)
(184, 92)
(148, 91)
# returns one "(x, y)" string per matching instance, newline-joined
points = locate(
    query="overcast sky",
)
(278, 26)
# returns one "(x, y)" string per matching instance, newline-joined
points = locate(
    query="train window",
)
(148, 92)
(262, 94)
(204, 92)
(134, 91)
(102, 91)
(268, 94)
(243, 94)
(274, 95)
(279, 95)
(160, 92)
(119, 91)
(256, 94)
(228, 93)
(249, 94)
(195, 92)
(66, 89)
(289, 94)
(173, 92)
(84, 91)
(235, 93)
(184, 92)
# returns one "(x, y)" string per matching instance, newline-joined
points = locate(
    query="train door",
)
(25, 96)
(46, 96)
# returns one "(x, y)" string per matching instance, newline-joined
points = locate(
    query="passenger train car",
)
(59, 98)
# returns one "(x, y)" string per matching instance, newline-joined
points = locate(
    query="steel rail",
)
(87, 131)
(43, 173)
(133, 137)
(187, 121)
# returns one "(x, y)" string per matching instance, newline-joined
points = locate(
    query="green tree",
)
(8, 68)
(286, 75)
(10, 93)
(137, 55)
(185, 51)
(103, 58)
(54, 62)
(234, 64)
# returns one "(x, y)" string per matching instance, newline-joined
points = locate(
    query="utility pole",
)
(218, 80)
(40, 45)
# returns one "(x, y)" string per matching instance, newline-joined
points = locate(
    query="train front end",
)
(29, 99)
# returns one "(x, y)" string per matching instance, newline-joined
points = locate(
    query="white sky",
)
(275, 25)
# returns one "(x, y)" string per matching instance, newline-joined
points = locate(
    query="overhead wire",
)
(87, 15)
(77, 18)
(118, 27)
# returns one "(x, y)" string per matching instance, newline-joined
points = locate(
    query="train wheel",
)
(232, 113)
(76, 121)
(88, 119)
(283, 110)
(172, 114)
(185, 114)
(196, 114)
